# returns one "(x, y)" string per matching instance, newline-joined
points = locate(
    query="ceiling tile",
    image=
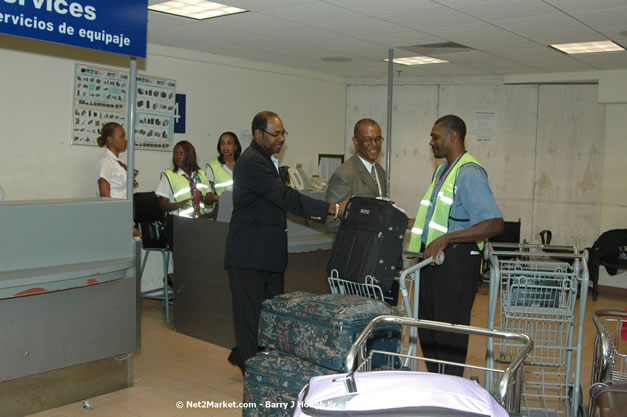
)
(256, 5)
(404, 38)
(550, 29)
(378, 8)
(429, 18)
(579, 5)
(315, 14)
(605, 61)
(606, 17)
(482, 36)
(490, 10)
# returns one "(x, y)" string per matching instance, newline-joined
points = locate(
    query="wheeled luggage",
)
(322, 328)
(398, 393)
(369, 242)
(272, 383)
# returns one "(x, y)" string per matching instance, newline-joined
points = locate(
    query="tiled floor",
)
(173, 367)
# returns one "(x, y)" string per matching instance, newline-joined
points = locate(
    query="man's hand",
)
(435, 247)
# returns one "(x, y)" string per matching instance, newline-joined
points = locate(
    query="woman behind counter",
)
(111, 171)
(220, 170)
(184, 189)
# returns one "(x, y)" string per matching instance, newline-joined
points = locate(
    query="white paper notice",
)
(484, 126)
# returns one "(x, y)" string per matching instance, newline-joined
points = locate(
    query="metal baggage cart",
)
(610, 350)
(507, 381)
(609, 361)
(534, 289)
(409, 287)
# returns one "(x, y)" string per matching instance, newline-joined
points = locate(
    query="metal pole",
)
(388, 133)
(130, 128)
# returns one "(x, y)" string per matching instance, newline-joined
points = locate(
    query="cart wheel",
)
(580, 408)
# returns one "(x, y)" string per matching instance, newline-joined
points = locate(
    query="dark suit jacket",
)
(257, 236)
(353, 179)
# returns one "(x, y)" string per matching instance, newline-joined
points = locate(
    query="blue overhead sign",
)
(108, 25)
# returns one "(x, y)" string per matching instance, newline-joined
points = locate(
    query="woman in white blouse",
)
(111, 171)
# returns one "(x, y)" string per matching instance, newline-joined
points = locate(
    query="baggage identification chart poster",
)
(100, 96)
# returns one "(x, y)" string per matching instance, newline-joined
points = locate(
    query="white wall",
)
(38, 161)
(36, 83)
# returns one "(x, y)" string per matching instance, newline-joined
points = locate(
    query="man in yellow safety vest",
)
(456, 215)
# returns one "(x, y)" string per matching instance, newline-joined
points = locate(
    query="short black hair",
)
(238, 147)
(260, 121)
(452, 122)
(365, 121)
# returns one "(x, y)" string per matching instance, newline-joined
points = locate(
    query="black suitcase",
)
(369, 242)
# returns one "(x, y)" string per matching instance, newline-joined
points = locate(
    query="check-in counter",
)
(203, 305)
(67, 301)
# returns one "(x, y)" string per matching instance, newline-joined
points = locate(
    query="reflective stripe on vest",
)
(221, 177)
(181, 191)
(438, 225)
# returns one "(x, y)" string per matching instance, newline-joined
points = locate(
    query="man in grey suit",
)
(360, 175)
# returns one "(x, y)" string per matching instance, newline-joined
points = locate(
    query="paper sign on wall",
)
(100, 97)
(484, 126)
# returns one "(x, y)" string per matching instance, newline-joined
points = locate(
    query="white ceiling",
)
(508, 36)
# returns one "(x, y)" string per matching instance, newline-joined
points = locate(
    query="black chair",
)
(511, 233)
(150, 220)
(608, 250)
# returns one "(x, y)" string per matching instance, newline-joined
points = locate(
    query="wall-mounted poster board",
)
(100, 96)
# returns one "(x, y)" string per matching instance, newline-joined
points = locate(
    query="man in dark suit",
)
(361, 175)
(256, 246)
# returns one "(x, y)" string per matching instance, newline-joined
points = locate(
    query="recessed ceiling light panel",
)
(195, 9)
(587, 47)
(417, 60)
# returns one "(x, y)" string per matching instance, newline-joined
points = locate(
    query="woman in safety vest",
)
(220, 170)
(184, 189)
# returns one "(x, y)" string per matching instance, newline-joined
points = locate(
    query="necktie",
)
(195, 194)
(374, 177)
(135, 172)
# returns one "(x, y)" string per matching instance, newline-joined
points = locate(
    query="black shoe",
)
(236, 359)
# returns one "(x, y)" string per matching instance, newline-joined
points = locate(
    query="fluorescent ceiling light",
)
(587, 47)
(195, 9)
(417, 60)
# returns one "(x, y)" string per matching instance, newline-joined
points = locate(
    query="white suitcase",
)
(397, 393)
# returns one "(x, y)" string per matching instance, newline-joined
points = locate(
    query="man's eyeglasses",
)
(278, 134)
(369, 139)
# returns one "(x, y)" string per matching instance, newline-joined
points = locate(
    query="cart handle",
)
(599, 373)
(510, 373)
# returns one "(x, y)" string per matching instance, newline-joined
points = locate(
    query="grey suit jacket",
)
(353, 179)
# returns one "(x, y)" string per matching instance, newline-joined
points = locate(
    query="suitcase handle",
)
(512, 375)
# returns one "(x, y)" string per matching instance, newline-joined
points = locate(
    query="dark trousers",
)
(249, 288)
(447, 293)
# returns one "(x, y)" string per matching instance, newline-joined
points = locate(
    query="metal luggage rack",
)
(535, 289)
(369, 288)
(507, 382)
(610, 350)
(409, 286)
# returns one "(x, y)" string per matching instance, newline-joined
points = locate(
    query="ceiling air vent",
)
(438, 48)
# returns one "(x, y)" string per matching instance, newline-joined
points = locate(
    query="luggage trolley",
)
(609, 365)
(409, 286)
(534, 287)
(409, 388)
